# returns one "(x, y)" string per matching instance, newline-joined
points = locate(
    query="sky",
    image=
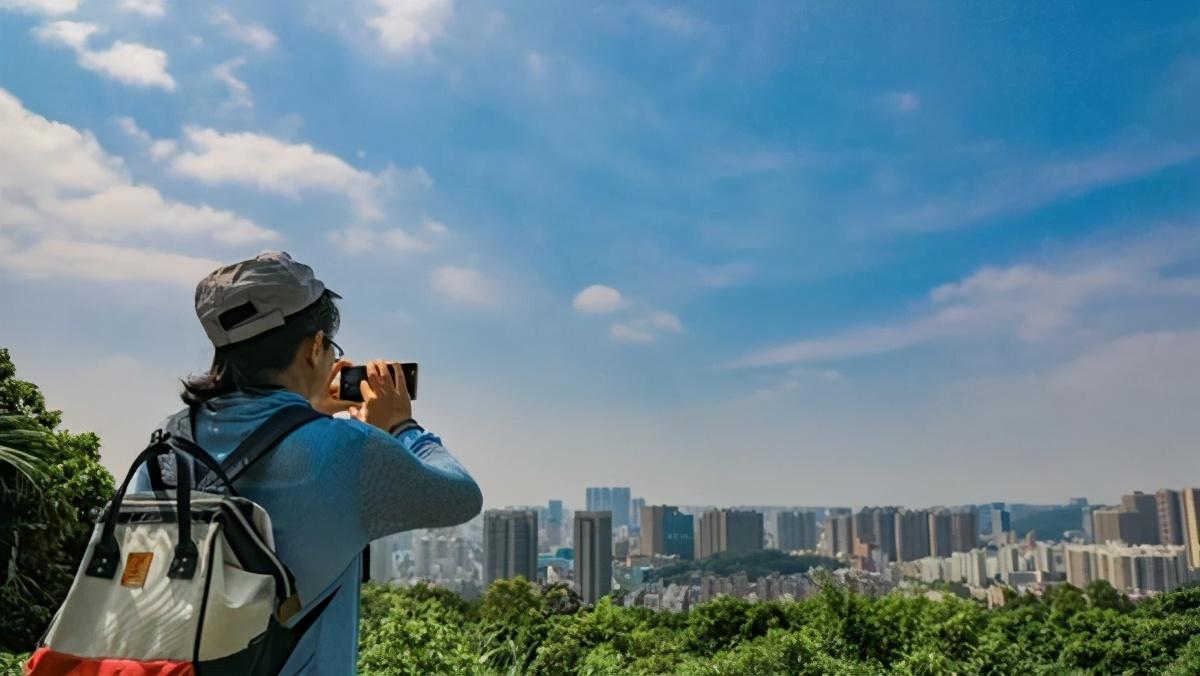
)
(724, 253)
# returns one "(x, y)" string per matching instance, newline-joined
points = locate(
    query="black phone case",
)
(351, 376)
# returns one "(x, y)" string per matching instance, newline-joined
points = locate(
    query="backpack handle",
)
(107, 552)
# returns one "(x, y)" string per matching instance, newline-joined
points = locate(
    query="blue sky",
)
(832, 253)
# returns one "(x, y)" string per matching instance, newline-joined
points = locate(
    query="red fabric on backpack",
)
(46, 662)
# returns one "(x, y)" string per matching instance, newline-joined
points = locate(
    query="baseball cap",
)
(249, 298)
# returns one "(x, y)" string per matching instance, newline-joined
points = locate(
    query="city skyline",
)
(822, 253)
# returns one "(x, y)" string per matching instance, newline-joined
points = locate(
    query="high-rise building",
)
(667, 532)
(796, 530)
(554, 518)
(635, 513)
(941, 535)
(1001, 520)
(1189, 499)
(879, 529)
(1170, 517)
(727, 530)
(593, 555)
(1139, 568)
(912, 535)
(509, 544)
(836, 539)
(614, 499)
(964, 530)
(1134, 522)
(1106, 525)
(1144, 522)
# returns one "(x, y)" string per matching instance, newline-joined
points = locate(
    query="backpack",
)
(183, 579)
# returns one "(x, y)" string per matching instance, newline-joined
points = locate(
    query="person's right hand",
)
(385, 398)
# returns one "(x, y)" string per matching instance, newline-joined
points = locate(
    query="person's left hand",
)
(329, 403)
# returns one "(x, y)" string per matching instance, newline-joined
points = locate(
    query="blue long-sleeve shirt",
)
(331, 487)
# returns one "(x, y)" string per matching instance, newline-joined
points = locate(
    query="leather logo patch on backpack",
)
(137, 566)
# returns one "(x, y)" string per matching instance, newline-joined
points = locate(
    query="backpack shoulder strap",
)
(264, 439)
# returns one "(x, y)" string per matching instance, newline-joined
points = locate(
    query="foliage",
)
(754, 564)
(515, 629)
(1050, 524)
(51, 486)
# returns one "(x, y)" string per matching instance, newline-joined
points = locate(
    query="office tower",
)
(1087, 513)
(864, 527)
(1106, 525)
(796, 530)
(1134, 522)
(554, 519)
(635, 513)
(837, 536)
(509, 544)
(879, 529)
(727, 530)
(593, 555)
(1170, 517)
(1001, 520)
(912, 534)
(615, 500)
(1144, 522)
(667, 532)
(964, 530)
(1190, 517)
(941, 536)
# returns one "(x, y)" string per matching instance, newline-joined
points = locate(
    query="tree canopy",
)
(51, 486)
(754, 564)
(519, 628)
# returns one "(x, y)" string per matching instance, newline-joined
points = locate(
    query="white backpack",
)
(183, 579)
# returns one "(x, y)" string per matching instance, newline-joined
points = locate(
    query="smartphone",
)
(353, 375)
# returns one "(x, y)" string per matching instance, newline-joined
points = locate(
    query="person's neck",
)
(291, 382)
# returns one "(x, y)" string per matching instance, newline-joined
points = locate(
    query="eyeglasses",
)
(338, 352)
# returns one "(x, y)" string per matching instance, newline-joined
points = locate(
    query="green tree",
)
(49, 505)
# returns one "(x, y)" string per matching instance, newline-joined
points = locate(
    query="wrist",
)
(403, 426)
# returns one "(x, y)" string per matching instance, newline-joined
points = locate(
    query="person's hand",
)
(329, 402)
(385, 397)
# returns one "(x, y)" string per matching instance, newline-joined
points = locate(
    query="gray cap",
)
(245, 299)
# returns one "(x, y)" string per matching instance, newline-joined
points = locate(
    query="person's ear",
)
(314, 352)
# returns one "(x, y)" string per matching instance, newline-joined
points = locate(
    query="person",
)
(335, 484)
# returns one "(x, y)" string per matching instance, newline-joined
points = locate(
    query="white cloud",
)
(286, 169)
(673, 20)
(436, 228)
(159, 149)
(59, 189)
(47, 7)
(130, 210)
(73, 34)
(903, 102)
(646, 329)
(536, 63)
(126, 62)
(359, 239)
(58, 258)
(154, 9)
(1021, 187)
(1026, 302)
(252, 35)
(462, 285)
(598, 299)
(239, 92)
(405, 26)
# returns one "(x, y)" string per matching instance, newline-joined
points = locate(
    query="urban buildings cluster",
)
(1146, 544)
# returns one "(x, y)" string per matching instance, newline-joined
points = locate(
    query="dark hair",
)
(255, 361)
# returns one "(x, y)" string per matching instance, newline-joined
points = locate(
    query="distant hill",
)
(754, 564)
(1050, 524)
